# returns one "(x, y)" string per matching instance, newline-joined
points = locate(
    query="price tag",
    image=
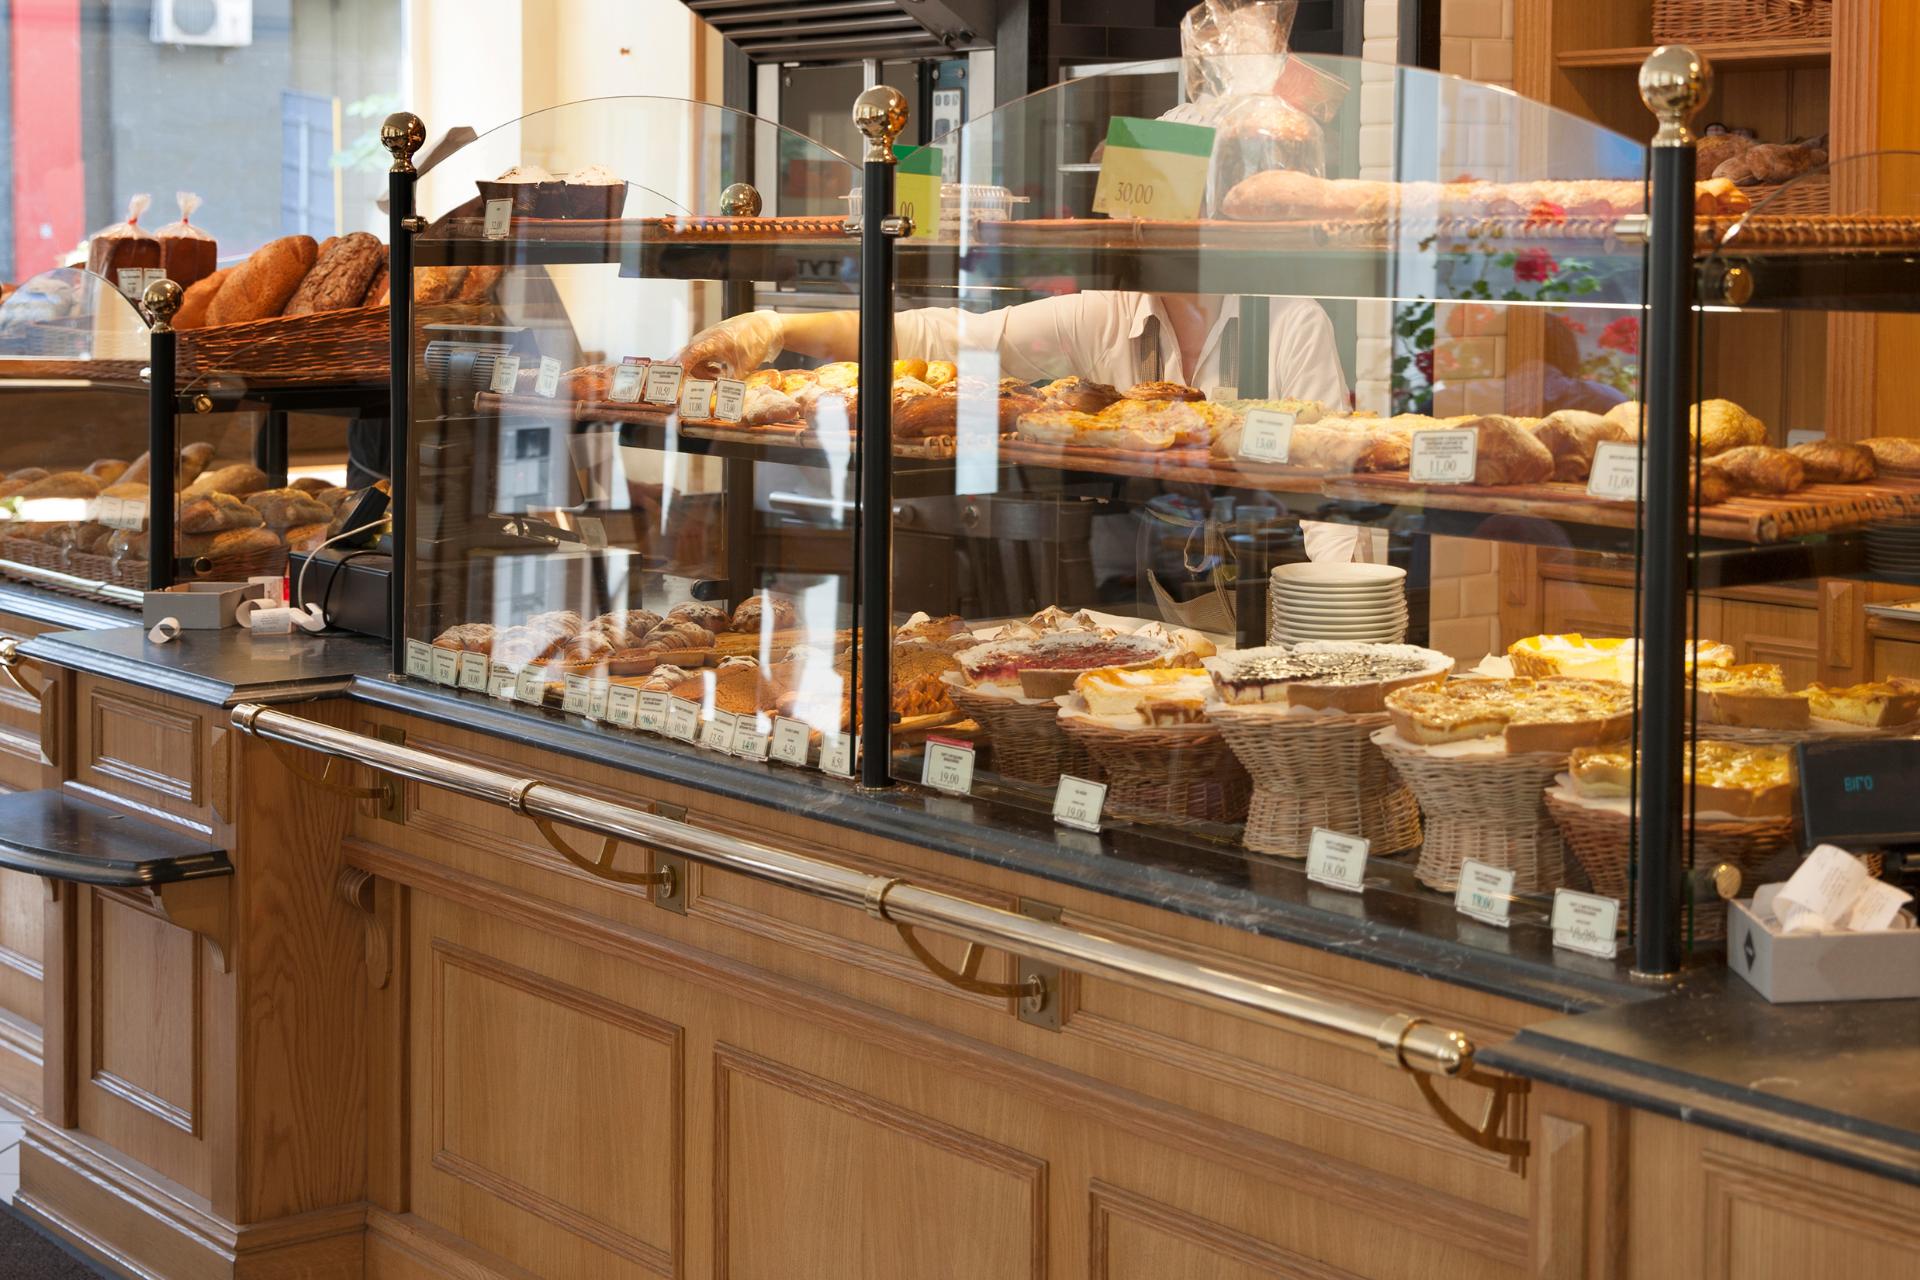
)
(131, 281)
(752, 737)
(506, 372)
(836, 754)
(446, 667)
(473, 672)
(128, 513)
(420, 659)
(948, 766)
(1586, 922)
(1445, 456)
(717, 733)
(683, 719)
(1077, 802)
(663, 384)
(729, 399)
(627, 381)
(548, 383)
(651, 714)
(1225, 391)
(623, 706)
(499, 218)
(1616, 471)
(597, 692)
(696, 399)
(1485, 893)
(1266, 435)
(1337, 859)
(1153, 169)
(792, 741)
(530, 686)
(153, 276)
(500, 681)
(916, 189)
(574, 700)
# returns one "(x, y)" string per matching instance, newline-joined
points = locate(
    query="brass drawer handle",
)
(13, 665)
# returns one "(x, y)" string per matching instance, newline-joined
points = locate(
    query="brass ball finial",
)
(1675, 82)
(740, 200)
(881, 114)
(402, 134)
(163, 300)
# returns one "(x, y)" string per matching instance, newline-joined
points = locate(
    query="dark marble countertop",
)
(1838, 1080)
(219, 667)
(53, 609)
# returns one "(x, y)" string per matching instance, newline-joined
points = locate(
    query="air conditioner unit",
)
(210, 22)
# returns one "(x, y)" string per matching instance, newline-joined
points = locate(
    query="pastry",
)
(712, 617)
(1719, 425)
(235, 543)
(378, 294)
(1770, 162)
(924, 417)
(1554, 714)
(939, 373)
(1046, 666)
(1727, 778)
(1713, 487)
(1507, 453)
(240, 479)
(477, 287)
(625, 628)
(262, 285)
(1879, 705)
(1089, 431)
(469, 637)
(841, 375)
(764, 405)
(909, 369)
(933, 630)
(284, 508)
(588, 384)
(198, 298)
(1750, 695)
(214, 512)
(1897, 454)
(1599, 657)
(1715, 147)
(1163, 391)
(1078, 394)
(1157, 696)
(340, 275)
(1324, 675)
(1834, 461)
(764, 612)
(677, 636)
(1572, 435)
(1759, 468)
(311, 484)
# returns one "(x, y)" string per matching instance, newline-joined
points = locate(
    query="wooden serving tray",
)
(1187, 466)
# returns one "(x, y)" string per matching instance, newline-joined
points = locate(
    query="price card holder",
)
(500, 681)
(948, 766)
(729, 399)
(792, 741)
(752, 737)
(623, 706)
(1586, 922)
(597, 693)
(1077, 802)
(506, 372)
(419, 659)
(627, 381)
(530, 686)
(1485, 893)
(916, 188)
(716, 734)
(131, 281)
(651, 714)
(836, 754)
(1153, 169)
(548, 383)
(683, 719)
(696, 399)
(1337, 859)
(663, 384)
(574, 700)
(499, 218)
(446, 667)
(1444, 456)
(1266, 436)
(1616, 471)
(473, 672)
(131, 514)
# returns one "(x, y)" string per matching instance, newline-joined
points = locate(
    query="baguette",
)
(260, 286)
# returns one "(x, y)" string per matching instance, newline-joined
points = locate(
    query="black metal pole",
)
(163, 456)
(1674, 83)
(402, 134)
(880, 113)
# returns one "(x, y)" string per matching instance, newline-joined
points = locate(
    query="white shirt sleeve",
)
(1305, 362)
(1076, 333)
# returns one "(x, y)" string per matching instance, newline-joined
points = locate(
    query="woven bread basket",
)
(1027, 742)
(1317, 771)
(1484, 807)
(1739, 21)
(1166, 776)
(1819, 731)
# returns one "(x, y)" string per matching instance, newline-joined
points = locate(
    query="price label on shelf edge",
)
(1337, 859)
(548, 383)
(729, 400)
(1485, 893)
(473, 671)
(627, 381)
(1446, 455)
(716, 733)
(597, 693)
(948, 766)
(419, 660)
(1586, 922)
(1077, 802)
(500, 678)
(752, 738)
(651, 714)
(663, 384)
(1266, 435)
(696, 398)
(499, 220)
(1616, 471)
(530, 686)
(446, 667)
(506, 372)
(836, 754)
(1153, 169)
(574, 700)
(792, 741)
(623, 706)
(683, 719)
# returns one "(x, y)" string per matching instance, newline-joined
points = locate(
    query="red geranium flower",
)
(1423, 361)
(1534, 266)
(1622, 335)
(1576, 326)
(1546, 213)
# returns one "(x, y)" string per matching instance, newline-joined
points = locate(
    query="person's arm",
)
(737, 346)
(1306, 364)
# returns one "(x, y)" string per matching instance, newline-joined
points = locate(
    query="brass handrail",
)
(1399, 1039)
(11, 662)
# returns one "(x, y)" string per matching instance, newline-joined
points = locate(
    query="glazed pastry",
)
(1163, 391)
(1834, 461)
(1760, 468)
(1572, 436)
(1078, 394)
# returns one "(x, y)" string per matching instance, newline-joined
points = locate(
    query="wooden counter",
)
(429, 1047)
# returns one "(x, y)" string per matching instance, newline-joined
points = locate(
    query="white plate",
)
(1390, 635)
(1338, 574)
(1326, 610)
(1300, 623)
(1292, 588)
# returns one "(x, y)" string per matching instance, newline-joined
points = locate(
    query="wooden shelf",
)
(1744, 54)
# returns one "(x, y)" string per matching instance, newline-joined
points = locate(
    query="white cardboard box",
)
(1792, 969)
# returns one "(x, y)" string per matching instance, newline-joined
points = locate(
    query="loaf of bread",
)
(192, 461)
(261, 286)
(479, 284)
(306, 537)
(437, 284)
(925, 417)
(284, 508)
(377, 290)
(215, 513)
(106, 470)
(1759, 468)
(241, 542)
(18, 480)
(1771, 162)
(1572, 435)
(240, 479)
(137, 473)
(1507, 453)
(340, 276)
(125, 489)
(198, 299)
(1834, 461)
(187, 252)
(1715, 148)
(64, 484)
(1899, 454)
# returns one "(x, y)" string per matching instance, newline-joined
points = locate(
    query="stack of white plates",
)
(1315, 601)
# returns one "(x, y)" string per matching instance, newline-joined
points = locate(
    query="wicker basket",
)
(1165, 775)
(123, 572)
(1317, 771)
(1812, 194)
(1792, 737)
(1485, 807)
(348, 345)
(1027, 741)
(1685, 21)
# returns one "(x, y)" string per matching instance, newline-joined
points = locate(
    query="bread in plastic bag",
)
(187, 252)
(124, 246)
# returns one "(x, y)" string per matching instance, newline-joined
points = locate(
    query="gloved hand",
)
(734, 348)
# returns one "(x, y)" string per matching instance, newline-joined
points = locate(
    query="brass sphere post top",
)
(163, 300)
(402, 134)
(881, 114)
(740, 200)
(1674, 83)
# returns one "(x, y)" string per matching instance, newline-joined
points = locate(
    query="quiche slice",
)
(1753, 695)
(1731, 778)
(1882, 704)
(1553, 714)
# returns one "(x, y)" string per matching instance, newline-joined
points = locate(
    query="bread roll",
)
(437, 284)
(192, 461)
(198, 298)
(340, 275)
(1899, 454)
(137, 473)
(925, 417)
(106, 470)
(261, 286)
(240, 479)
(1834, 461)
(65, 484)
(1572, 436)
(1760, 468)
(215, 513)
(1507, 453)
(284, 508)
(235, 543)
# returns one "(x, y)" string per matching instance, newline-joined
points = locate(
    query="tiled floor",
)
(10, 1126)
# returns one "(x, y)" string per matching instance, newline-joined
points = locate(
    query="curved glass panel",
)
(602, 508)
(1275, 351)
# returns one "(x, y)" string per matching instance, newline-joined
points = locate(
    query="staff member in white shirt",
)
(1119, 338)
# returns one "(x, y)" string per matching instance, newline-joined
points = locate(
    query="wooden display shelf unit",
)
(1778, 51)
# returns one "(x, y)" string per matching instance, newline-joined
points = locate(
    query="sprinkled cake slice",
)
(1325, 674)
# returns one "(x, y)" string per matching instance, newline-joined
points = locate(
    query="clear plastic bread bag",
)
(124, 246)
(187, 252)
